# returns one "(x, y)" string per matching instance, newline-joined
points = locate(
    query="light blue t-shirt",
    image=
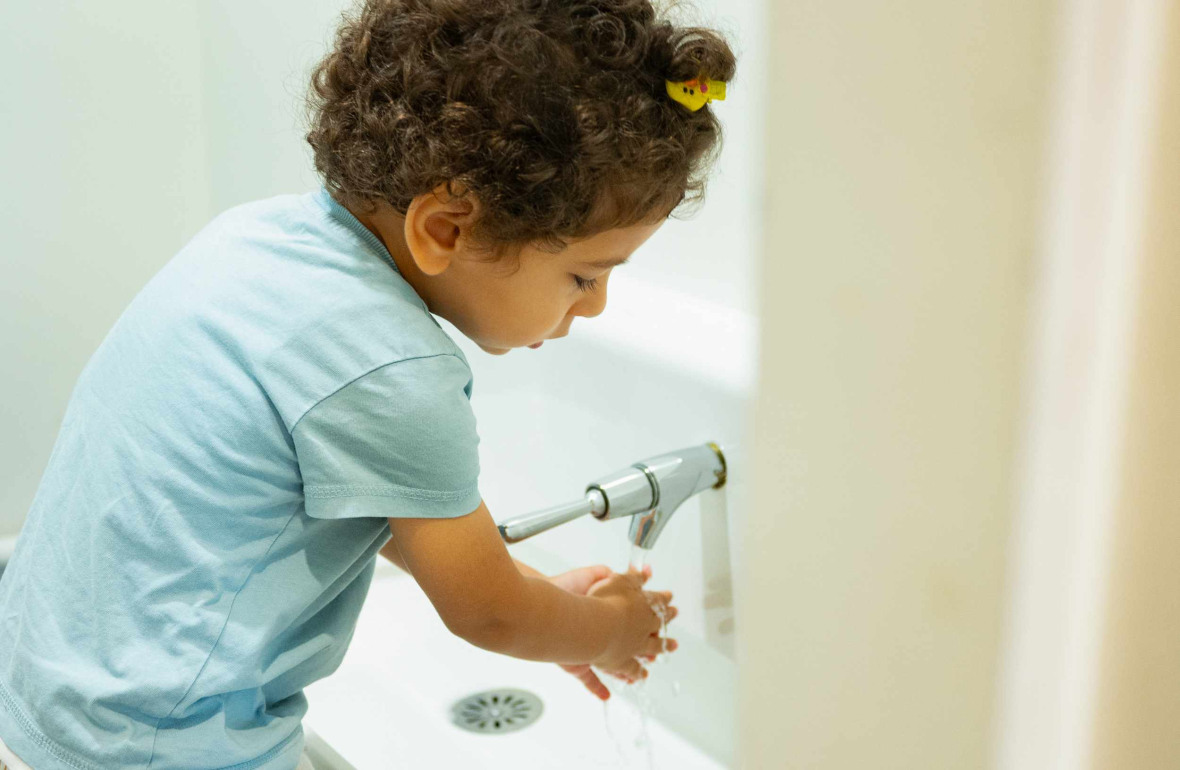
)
(206, 529)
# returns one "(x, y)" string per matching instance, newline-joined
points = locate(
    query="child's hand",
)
(638, 627)
(580, 581)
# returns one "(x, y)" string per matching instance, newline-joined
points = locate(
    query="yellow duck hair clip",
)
(696, 93)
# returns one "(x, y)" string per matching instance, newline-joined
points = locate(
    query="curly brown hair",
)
(552, 113)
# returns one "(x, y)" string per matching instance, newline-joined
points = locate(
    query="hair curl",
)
(552, 113)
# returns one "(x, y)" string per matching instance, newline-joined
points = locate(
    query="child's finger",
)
(641, 576)
(659, 597)
(670, 613)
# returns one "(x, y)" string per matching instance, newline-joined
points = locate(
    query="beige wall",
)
(1138, 704)
(904, 150)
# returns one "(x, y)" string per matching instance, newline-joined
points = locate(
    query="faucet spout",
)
(649, 491)
(674, 477)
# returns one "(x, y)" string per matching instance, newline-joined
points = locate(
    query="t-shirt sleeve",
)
(398, 441)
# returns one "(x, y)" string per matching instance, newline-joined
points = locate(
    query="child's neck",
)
(389, 228)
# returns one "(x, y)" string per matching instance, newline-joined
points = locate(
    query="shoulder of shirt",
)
(402, 327)
(427, 336)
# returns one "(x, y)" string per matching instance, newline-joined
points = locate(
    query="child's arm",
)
(481, 595)
(390, 552)
(528, 571)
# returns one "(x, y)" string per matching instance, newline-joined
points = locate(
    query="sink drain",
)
(496, 711)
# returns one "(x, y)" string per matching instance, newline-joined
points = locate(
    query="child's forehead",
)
(611, 247)
(606, 264)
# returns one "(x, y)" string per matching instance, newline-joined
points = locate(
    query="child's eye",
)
(585, 284)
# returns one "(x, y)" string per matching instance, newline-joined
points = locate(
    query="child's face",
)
(500, 310)
(497, 308)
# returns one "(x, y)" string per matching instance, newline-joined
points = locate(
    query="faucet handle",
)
(522, 527)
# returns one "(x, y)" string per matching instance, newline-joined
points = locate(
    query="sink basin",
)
(388, 706)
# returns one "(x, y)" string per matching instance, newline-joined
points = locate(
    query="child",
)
(278, 404)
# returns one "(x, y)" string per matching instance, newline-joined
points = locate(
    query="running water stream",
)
(637, 560)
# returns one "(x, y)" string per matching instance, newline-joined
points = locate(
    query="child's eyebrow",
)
(603, 264)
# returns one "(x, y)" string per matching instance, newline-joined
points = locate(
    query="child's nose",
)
(592, 304)
(591, 310)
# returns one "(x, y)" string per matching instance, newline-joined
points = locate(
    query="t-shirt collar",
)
(346, 218)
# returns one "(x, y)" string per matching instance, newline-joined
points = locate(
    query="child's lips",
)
(537, 345)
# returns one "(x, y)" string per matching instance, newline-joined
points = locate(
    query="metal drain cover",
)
(502, 710)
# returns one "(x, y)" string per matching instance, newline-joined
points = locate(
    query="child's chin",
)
(493, 351)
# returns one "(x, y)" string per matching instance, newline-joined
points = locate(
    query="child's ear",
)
(437, 226)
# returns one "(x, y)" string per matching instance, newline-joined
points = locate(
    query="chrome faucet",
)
(649, 491)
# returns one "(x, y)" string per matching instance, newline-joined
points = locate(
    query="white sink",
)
(388, 706)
